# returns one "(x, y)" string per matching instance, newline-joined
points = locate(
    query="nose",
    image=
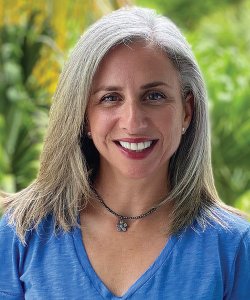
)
(133, 117)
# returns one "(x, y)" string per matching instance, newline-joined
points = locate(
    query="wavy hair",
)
(69, 159)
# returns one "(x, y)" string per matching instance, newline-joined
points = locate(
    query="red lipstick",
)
(137, 155)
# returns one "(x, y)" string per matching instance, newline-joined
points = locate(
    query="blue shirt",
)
(212, 264)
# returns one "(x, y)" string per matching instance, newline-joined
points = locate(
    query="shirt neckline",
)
(97, 282)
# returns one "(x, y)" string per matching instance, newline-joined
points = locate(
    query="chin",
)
(142, 173)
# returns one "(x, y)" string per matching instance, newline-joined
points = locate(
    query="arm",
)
(10, 285)
(240, 274)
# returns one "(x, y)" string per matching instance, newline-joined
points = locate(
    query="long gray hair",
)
(69, 159)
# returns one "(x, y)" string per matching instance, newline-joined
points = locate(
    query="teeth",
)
(136, 146)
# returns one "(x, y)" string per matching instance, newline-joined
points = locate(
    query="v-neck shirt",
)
(210, 264)
(98, 284)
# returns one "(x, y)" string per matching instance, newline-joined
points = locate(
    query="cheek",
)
(171, 121)
(100, 124)
(170, 127)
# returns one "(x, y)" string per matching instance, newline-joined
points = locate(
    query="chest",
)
(62, 269)
(120, 261)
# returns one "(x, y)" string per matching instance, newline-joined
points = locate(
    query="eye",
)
(155, 96)
(111, 98)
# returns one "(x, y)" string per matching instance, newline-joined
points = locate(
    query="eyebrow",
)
(143, 87)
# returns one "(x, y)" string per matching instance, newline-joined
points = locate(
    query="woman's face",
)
(135, 112)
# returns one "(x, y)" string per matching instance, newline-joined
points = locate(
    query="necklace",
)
(121, 225)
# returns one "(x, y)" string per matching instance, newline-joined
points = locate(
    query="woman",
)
(124, 205)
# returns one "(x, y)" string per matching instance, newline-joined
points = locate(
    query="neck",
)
(131, 197)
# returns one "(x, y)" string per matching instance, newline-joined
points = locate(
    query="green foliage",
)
(187, 13)
(243, 203)
(219, 33)
(22, 110)
(222, 50)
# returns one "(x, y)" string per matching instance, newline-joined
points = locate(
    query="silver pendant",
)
(121, 226)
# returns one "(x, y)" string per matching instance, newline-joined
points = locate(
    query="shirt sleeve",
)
(10, 284)
(240, 275)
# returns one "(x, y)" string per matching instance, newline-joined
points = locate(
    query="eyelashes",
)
(155, 96)
(151, 97)
(111, 98)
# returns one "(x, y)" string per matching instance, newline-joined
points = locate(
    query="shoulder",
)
(233, 248)
(228, 227)
(218, 254)
(232, 226)
(226, 236)
(8, 232)
(223, 243)
(42, 241)
(38, 240)
(30, 261)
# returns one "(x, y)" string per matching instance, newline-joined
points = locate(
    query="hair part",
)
(69, 159)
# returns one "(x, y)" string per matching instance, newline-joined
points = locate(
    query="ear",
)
(188, 106)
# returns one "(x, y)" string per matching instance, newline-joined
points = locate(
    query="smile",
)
(138, 147)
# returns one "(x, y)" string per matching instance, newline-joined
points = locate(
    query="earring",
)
(183, 130)
(89, 134)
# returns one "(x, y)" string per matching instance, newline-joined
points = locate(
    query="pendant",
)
(121, 226)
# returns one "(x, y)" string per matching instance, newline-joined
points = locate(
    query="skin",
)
(135, 97)
(120, 107)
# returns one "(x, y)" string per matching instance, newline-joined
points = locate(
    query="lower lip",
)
(134, 154)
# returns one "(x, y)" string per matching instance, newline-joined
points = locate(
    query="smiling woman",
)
(136, 114)
(125, 200)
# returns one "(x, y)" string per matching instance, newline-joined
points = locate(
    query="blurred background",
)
(37, 36)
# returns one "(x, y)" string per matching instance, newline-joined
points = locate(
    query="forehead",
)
(139, 61)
